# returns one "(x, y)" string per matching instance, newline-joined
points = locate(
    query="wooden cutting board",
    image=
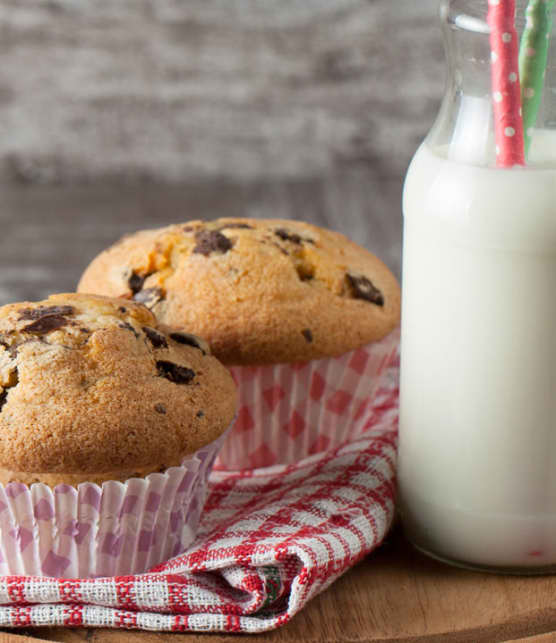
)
(394, 595)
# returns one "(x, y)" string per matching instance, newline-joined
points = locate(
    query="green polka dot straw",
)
(533, 54)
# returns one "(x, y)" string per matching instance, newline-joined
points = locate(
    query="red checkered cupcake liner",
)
(291, 411)
(109, 530)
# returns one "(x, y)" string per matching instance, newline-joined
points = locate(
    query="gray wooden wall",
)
(116, 115)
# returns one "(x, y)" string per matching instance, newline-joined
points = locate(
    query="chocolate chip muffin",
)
(94, 389)
(259, 291)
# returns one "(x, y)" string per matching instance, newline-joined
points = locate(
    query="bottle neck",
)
(464, 128)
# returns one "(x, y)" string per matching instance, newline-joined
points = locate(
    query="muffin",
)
(306, 319)
(109, 423)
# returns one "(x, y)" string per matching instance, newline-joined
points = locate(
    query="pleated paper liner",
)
(290, 411)
(114, 529)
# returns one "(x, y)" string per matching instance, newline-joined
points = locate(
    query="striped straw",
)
(533, 55)
(508, 123)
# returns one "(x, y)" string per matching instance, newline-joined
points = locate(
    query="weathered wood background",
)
(135, 113)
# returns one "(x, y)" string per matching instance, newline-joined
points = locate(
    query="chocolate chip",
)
(237, 226)
(188, 228)
(286, 235)
(156, 339)
(45, 311)
(307, 334)
(85, 330)
(188, 340)
(149, 297)
(200, 414)
(363, 288)
(211, 241)
(160, 408)
(174, 372)
(127, 326)
(46, 324)
(136, 282)
(123, 309)
(47, 318)
(3, 398)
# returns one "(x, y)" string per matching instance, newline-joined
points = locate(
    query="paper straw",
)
(508, 123)
(533, 55)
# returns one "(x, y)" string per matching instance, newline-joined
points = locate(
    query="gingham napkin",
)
(270, 540)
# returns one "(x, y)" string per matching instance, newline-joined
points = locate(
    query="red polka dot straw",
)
(506, 92)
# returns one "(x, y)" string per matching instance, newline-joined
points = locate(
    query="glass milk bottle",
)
(477, 451)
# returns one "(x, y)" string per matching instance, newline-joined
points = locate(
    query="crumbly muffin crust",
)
(259, 291)
(93, 388)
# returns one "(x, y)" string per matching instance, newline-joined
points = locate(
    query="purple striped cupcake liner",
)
(118, 528)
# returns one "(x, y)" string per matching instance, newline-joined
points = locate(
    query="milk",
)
(477, 454)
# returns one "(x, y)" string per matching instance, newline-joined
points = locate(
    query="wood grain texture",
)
(8, 637)
(395, 595)
(173, 90)
(543, 638)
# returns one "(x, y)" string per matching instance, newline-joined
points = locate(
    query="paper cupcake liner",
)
(114, 529)
(290, 411)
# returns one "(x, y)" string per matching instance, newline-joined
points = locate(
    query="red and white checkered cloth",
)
(271, 539)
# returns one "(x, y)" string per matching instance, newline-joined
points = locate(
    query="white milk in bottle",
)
(477, 455)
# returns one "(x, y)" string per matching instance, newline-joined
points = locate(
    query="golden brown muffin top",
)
(91, 385)
(259, 291)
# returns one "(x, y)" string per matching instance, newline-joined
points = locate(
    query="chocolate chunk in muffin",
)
(189, 340)
(174, 372)
(287, 235)
(46, 324)
(156, 339)
(136, 282)
(211, 241)
(363, 288)
(45, 311)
